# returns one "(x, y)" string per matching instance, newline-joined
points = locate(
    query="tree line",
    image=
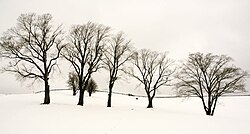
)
(34, 46)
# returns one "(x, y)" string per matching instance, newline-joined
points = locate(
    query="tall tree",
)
(209, 76)
(84, 51)
(33, 47)
(116, 55)
(153, 70)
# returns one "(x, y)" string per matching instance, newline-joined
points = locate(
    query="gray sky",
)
(177, 26)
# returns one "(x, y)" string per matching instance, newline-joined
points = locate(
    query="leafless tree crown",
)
(118, 51)
(85, 51)
(33, 42)
(153, 70)
(33, 47)
(211, 76)
(85, 48)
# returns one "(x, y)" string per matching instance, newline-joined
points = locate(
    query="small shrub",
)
(92, 86)
(73, 82)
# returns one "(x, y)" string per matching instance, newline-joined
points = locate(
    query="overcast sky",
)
(177, 26)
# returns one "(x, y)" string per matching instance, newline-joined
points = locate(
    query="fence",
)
(136, 95)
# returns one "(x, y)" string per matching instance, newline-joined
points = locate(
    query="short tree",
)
(209, 76)
(32, 48)
(73, 82)
(153, 70)
(92, 86)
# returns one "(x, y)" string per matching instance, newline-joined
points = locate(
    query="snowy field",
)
(23, 114)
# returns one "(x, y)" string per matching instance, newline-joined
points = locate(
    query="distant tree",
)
(118, 52)
(92, 86)
(32, 48)
(209, 76)
(153, 71)
(84, 51)
(73, 82)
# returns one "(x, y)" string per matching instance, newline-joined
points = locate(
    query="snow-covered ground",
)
(23, 114)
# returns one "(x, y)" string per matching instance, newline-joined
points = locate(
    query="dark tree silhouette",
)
(33, 47)
(153, 71)
(84, 52)
(209, 76)
(116, 55)
(92, 86)
(73, 82)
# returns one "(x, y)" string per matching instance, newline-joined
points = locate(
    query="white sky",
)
(177, 26)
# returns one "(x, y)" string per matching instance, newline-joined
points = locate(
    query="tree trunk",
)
(110, 95)
(81, 96)
(215, 102)
(90, 93)
(209, 111)
(74, 91)
(150, 98)
(47, 97)
(150, 103)
(109, 100)
(209, 105)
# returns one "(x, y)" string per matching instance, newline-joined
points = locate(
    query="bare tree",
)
(33, 47)
(116, 55)
(153, 71)
(209, 77)
(84, 52)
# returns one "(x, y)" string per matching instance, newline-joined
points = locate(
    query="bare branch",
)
(153, 71)
(33, 47)
(209, 75)
(84, 51)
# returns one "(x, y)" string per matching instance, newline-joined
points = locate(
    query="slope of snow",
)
(24, 114)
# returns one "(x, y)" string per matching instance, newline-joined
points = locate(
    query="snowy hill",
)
(23, 114)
